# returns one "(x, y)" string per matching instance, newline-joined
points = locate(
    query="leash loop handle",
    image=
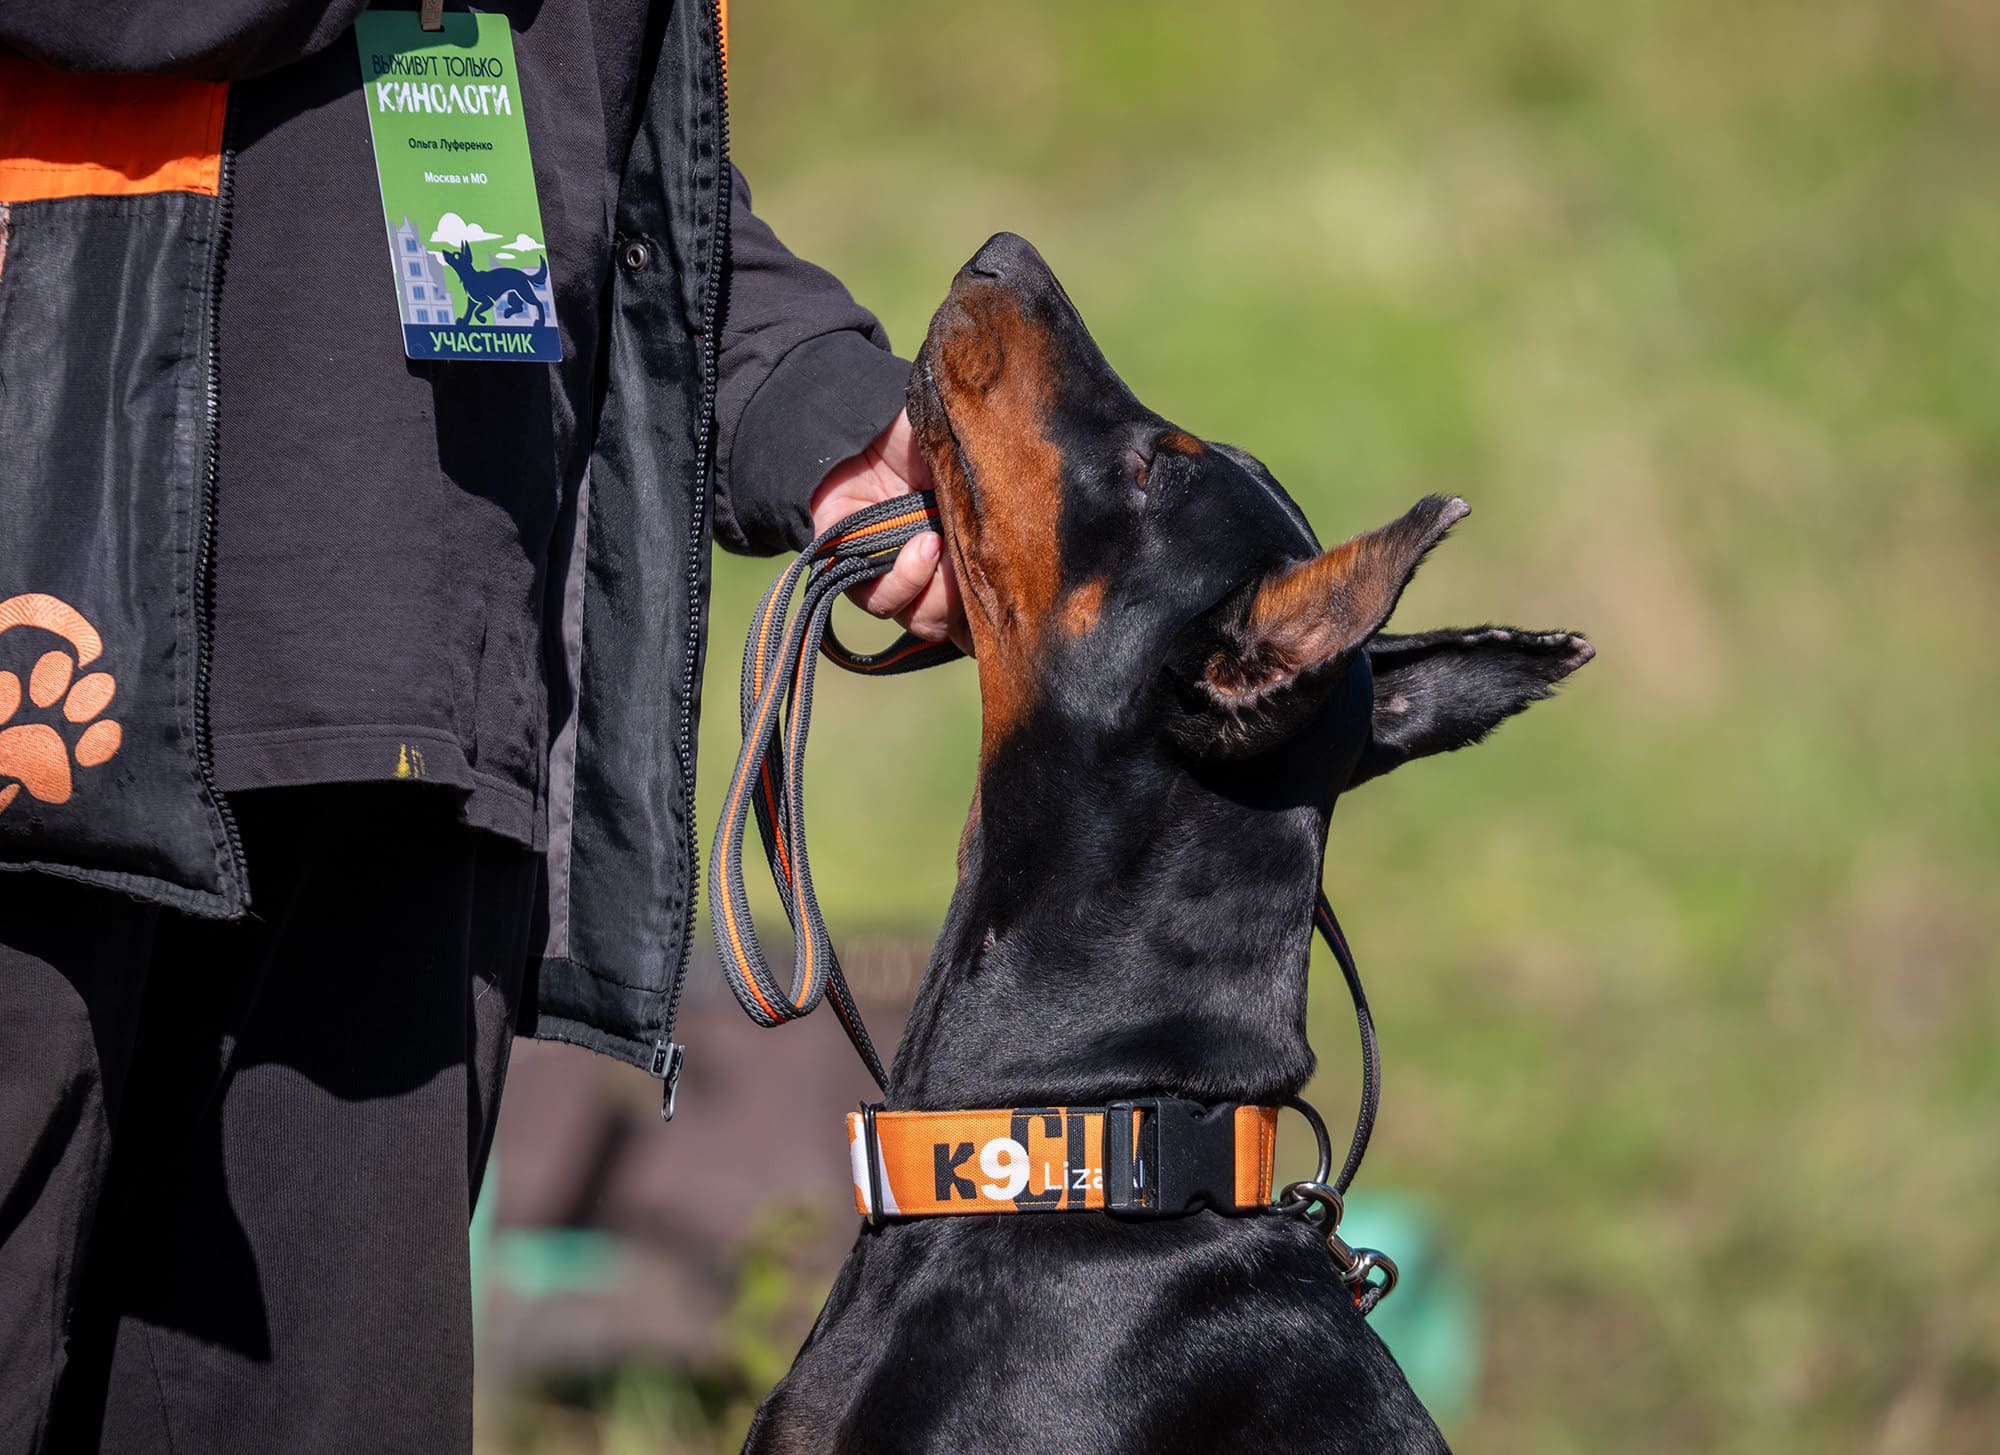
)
(786, 640)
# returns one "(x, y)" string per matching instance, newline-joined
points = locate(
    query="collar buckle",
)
(1164, 1157)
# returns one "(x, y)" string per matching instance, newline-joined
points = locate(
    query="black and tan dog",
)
(1177, 685)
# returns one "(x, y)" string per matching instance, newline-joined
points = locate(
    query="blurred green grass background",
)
(1686, 978)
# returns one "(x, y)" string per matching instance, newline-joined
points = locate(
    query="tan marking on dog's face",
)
(999, 483)
(1180, 442)
(1081, 608)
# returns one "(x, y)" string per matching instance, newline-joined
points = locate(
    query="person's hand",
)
(919, 591)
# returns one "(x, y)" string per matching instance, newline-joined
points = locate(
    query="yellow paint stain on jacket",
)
(409, 762)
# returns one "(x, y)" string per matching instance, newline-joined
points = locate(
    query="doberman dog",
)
(1177, 684)
(485, 287)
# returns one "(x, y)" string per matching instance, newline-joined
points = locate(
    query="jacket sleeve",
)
(213, 40)
(807, 380)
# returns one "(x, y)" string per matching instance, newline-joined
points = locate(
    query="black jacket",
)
(734, 374)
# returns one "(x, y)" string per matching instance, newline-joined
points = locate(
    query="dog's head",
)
(1146, 587)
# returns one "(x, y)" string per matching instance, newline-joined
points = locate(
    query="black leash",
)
(769, 781)
(1371, 1050)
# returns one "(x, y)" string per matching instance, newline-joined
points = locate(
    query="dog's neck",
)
(1123, 926)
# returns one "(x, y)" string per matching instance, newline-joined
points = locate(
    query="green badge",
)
(458, 188)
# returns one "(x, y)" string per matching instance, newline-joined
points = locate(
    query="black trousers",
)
(237, 1160)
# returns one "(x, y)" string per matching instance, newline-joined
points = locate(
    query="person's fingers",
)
(939, 613)
(916, 566)
(929, 616)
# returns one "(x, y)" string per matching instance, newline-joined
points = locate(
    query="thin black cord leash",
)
(769, 782)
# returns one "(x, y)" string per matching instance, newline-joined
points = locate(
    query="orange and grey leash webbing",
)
(786, 639)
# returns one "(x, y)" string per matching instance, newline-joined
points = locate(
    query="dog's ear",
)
(1448, 689)
(1288, 638)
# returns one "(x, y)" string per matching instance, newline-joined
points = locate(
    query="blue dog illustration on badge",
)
(485, 287)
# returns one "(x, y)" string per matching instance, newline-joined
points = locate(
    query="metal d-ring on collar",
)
(1294, 1203)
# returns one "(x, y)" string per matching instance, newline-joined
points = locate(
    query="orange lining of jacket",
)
(65, 134)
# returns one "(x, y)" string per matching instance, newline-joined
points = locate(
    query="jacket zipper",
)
(204, 566)
(667, 1053)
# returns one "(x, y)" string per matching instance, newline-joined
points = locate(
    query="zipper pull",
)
(667, 1057)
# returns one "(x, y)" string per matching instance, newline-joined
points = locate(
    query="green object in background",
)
(544, 1262)
(481, 1237)
(533, 1262)
(1431, 1322)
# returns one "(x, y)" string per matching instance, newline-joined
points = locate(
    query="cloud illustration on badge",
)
(522, 243)
(37, 755)
(455, 232)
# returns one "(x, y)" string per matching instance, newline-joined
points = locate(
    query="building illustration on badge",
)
(425, 298)
(507, 287)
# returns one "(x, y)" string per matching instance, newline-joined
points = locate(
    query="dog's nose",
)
(1003, 254)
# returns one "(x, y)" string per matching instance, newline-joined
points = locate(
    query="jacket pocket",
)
(106, 439)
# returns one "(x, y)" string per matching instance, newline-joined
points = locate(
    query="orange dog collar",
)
(1154, 1157)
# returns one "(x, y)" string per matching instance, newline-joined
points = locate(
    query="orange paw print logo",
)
(37, 755)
